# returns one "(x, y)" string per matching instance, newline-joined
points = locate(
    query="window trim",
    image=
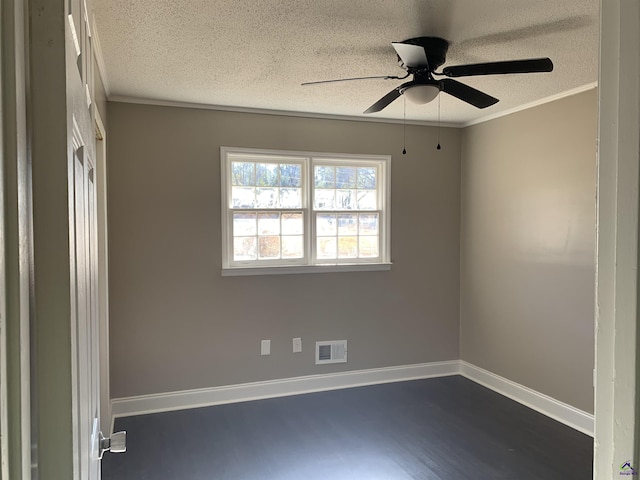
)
(308, 264)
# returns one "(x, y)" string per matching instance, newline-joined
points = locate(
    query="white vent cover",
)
(332, 351)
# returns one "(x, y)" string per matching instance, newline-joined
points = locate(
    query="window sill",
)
(353, 267)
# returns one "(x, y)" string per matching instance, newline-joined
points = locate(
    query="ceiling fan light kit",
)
(421, 57)
(421, 94)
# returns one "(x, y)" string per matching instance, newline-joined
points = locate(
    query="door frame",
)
(16, 247)
(616, 374)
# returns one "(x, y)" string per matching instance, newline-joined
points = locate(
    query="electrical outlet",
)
(265, 347)
(297, 345)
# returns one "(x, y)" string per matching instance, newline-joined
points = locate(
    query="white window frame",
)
(309, 263)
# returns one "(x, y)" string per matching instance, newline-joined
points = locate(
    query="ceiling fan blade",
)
(384, 77)
(467, 94)
(413, 56)
(532, 65)
(384, 101)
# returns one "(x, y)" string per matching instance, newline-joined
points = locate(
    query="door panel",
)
(85, 326)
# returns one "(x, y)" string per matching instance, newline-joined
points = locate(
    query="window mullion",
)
(308, 236)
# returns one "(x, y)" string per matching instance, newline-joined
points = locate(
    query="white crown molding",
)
(164, 402)
(287, 113)
(560, 411)
(526, 106)
(264, 111)
(97, 52)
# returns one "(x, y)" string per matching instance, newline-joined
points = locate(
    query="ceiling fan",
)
(422, 55)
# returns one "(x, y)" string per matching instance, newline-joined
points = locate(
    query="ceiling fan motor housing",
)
(435, 49)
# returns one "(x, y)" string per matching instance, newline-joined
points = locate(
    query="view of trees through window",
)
(266, 235)
(266, 185)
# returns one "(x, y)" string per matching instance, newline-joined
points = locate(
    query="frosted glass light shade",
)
(421, 94)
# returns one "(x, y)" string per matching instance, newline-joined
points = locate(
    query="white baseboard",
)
(164, 402)
(562, 412)
(203, 397)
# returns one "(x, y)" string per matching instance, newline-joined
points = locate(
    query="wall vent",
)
(332, 351)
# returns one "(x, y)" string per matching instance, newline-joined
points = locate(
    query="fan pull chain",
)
(439, 147)
(404, 126)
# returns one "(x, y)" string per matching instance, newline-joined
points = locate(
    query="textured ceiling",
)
(256, 53)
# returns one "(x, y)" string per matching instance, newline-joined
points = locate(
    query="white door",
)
(62, 153)
(88, 440)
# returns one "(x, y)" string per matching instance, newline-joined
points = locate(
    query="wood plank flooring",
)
(436, 429)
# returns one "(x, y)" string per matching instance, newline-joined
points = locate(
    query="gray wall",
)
(527, 247)
(176, 324)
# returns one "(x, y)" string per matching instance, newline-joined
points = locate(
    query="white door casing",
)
(16, 248)
(617, 426)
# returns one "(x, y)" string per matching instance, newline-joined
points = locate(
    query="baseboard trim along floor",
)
(164, 402)
(560, 411)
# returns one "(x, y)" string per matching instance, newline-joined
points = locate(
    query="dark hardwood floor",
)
(442, 429)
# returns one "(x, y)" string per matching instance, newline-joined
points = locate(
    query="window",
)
(301, 212)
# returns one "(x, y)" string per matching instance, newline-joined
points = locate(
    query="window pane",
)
(244, 248)
(369, 224)
(267, 197)
(348, 224)
(326, 225)
(347, 247)
(346, 199)
(269, 247)
(243, 173)
(367, 199)
(291, 197)
(290, 175)
(244, 224)
(368, 247)
(346, 177)
(292, 224)
(326, 247)
(267, 175)
(243, 197)
(292, 247)
(324, 199)
(367, 178)
(325, 177)
(269, 224)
